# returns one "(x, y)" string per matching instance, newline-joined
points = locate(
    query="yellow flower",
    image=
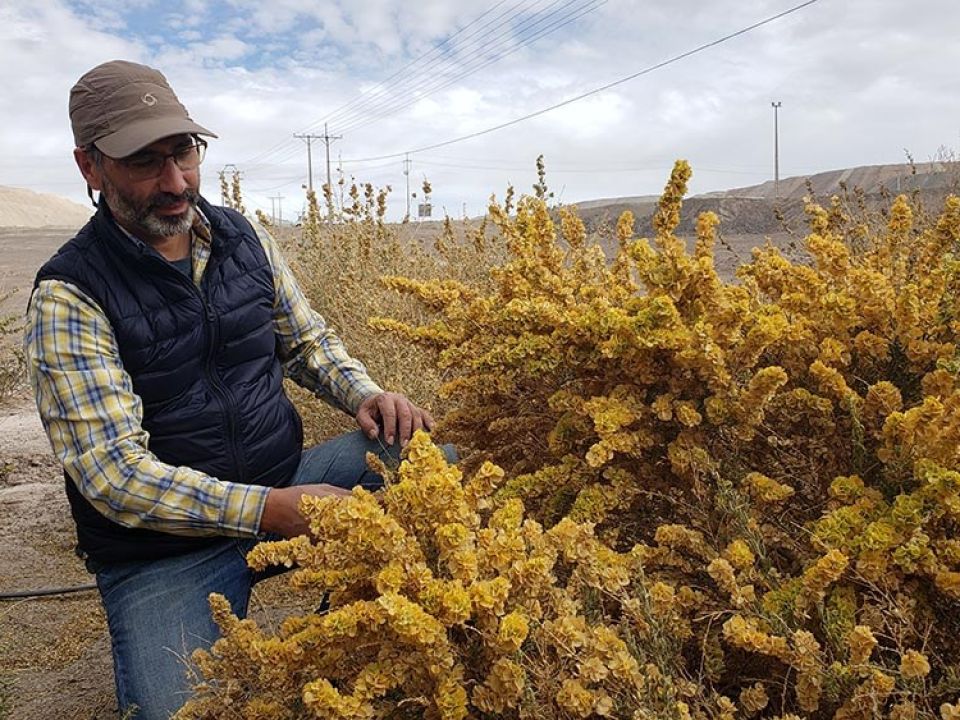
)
(949, 711)
(501, 689)
(765, 489)
(513, 631)
(575, 699)
(739, 555)
(905, 710)
(861, 643)
(754, 699)
(914, 665)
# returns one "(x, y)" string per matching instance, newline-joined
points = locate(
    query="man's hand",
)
(281, 513)
(397, 415)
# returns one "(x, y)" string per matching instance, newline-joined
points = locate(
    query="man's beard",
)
(142, 215)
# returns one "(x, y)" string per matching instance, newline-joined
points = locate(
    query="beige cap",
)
(123, 106)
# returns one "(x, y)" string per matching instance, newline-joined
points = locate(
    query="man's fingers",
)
(428, 421)
(398, 418)
(367, 423)
(388, 414)
(404, 419)
(322, 490)
(366, 418)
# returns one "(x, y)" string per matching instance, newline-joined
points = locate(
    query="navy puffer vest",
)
(204, 361)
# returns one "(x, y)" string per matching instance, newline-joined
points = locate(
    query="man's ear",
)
(88, 168)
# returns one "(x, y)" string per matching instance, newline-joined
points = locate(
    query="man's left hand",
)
(396, 414)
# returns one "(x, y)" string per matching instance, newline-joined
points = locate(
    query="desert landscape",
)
(54, 650)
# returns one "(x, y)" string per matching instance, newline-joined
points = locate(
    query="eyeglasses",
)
(148, 165)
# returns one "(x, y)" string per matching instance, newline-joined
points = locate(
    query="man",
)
(157, 341)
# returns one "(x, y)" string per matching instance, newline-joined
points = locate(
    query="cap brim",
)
(138, 135)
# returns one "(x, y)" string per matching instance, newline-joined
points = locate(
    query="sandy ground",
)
(22, 251)
(55, 651)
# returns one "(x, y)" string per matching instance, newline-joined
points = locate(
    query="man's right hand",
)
(281, 513)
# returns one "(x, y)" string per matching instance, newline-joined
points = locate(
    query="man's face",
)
(158, 207)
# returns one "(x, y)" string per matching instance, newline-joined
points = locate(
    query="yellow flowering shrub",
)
(784, 445)
(437, 604)
(719, 498)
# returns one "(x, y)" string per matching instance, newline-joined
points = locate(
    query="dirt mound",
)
(756, 211)
(24, 208)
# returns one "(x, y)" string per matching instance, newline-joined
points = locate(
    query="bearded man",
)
(157, 342)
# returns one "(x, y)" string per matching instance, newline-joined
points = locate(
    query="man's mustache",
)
(165, 199)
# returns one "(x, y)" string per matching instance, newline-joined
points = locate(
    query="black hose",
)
(46, 591)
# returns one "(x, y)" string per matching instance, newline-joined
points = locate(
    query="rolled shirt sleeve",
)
(314, 356)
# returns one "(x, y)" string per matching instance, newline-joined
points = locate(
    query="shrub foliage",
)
(718, 499)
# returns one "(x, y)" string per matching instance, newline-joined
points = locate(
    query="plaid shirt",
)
(93, 416)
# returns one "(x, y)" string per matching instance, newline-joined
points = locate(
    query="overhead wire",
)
(364, 98)
(602, 88)
(474, 61)
(537, 25)
(561, 170)
(287, 141)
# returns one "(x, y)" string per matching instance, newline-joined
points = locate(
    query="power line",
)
(420, 58)
(443, 83)
(476, 60)
(314, 124)
(600, 89)
(562, 170)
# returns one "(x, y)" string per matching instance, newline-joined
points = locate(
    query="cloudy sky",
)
(860, 82)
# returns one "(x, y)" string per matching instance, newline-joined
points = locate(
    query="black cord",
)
(46, 591)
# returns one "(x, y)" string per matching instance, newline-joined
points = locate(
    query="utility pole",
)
(277, 219)
(327, 138)
(776, 149)
(406, 172)
(308, 138)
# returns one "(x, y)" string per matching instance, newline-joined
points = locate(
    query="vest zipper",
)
(220, 391)
(223, 392)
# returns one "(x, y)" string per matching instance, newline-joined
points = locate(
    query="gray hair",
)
(96, 156)
(95, 153)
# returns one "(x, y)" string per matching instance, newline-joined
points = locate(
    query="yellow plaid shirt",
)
(93, 417)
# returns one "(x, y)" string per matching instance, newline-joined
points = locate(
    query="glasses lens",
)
(149, 165)
(188, 158)
(144, 166)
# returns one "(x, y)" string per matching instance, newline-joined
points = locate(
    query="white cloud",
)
(859, 81)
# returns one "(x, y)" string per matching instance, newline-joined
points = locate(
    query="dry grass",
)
(340, 270)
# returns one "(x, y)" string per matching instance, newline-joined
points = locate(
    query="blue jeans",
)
(158, 613)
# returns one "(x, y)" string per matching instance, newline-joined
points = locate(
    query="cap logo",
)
(148, 99)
